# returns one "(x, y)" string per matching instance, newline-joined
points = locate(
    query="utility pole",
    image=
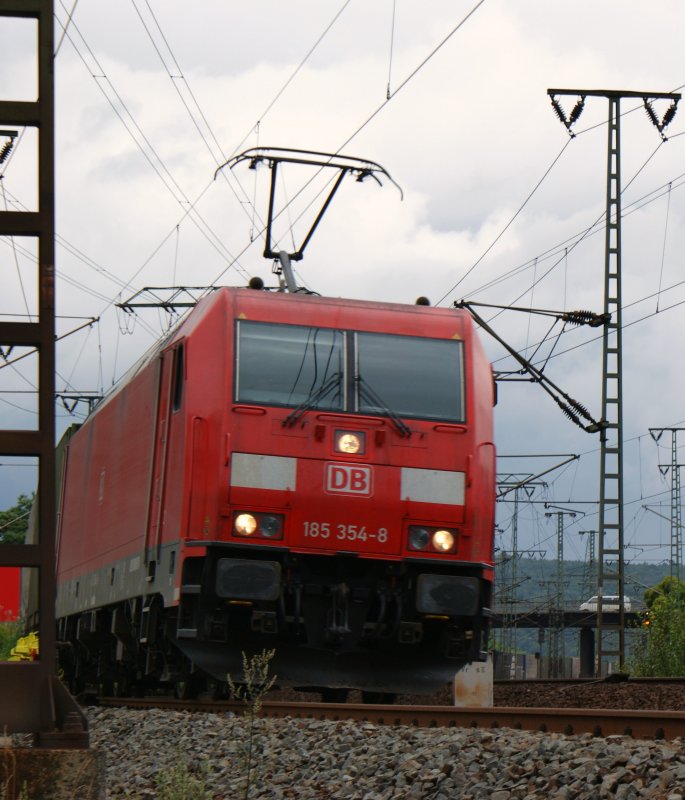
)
(676, 527)
(590, 577)
(510, 582)
(611, 568)
(557, 648)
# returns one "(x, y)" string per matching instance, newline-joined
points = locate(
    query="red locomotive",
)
(285, 471)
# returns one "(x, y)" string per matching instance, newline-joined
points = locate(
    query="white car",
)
(610, 602)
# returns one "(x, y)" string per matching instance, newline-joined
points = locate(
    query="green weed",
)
(181, 784)
(255, 683)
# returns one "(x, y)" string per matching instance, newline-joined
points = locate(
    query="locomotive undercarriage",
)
(124, 649)
(336, 621)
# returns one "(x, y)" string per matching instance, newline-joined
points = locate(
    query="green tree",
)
(666, 586)
(14, 521)
(660, 650)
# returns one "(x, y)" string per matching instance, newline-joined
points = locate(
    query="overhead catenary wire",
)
(216, 158)
(291, 77)
(663, 248)
(507, 226)
(593, 228)
(393, 94)
(176, 228)
(264, 113)
(14, 251)
(534, 191)
(65, 28)
(562, 249)
(392, 48)
(280, 92)
(233, 261)
(143, 143)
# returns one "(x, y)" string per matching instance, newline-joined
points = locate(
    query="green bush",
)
(660, 649)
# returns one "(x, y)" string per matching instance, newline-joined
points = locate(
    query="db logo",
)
(349, 479)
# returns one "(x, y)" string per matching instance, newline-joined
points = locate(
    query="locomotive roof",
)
(195, 315)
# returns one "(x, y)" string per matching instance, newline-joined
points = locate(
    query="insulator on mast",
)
(577, 111)
(569, 413)
(670, 113)
(667, 118)
(580, 408)
(559, 111)
(570, 121)
(583, 317)
(6, 150)
(650, 113)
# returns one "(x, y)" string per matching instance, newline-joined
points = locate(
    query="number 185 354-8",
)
(349, 533)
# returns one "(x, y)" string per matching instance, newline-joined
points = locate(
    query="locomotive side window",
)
(288, 365)
(177, 379)
(411, 376)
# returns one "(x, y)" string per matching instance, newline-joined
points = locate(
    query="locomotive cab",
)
(304, 474)
(355, 539)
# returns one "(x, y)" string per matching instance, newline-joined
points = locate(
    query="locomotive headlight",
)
(418, 538)
(258, 525)
(443, 541)
(350, 442)
(245, 524)
(432, 540)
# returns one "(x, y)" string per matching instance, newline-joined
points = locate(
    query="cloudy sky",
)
(500, 205)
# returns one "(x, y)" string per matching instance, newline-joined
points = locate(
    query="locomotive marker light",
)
(419, 538)
(352, 443)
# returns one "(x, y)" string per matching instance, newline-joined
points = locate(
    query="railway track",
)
(642, 724)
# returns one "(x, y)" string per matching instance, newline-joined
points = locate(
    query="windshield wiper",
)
(373, 398)
(312, 399)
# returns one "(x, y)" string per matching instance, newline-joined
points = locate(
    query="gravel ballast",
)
(299, 758)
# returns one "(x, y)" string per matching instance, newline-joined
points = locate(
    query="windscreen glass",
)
(288, 365)
(410, 376)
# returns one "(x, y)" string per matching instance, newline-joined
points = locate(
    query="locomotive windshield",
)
(415, 377)
(293, 365)
(287, 365)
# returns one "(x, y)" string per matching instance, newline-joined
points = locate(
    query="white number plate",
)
(347, 533)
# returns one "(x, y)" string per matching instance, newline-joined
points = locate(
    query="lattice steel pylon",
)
(32, 698)
(610, 566)
(676, 561)
(557, 648)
